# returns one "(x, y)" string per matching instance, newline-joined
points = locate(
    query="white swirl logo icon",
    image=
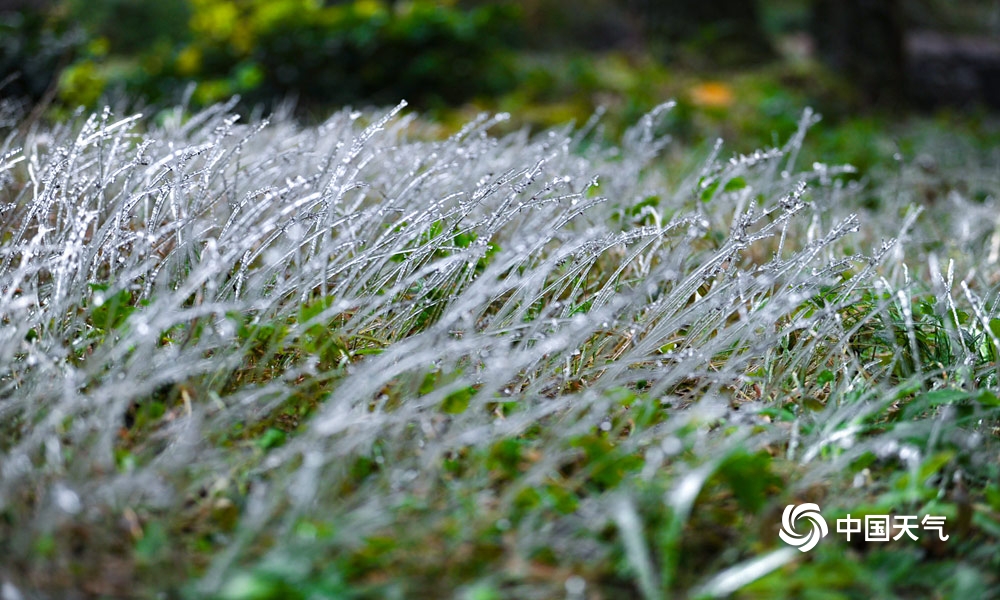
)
(804, 542)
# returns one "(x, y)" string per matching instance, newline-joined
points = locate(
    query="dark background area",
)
(896, 53)
(742, 71)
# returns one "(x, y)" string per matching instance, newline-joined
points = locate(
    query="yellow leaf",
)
(712, 94)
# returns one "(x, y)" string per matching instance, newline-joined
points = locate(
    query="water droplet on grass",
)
(575, 586)
(66, 499)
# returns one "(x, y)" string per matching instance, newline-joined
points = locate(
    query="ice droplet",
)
(671, 446)
(575, 586)
(9, 592)
(67, 500)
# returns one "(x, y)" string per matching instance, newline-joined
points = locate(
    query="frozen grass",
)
(268, 361)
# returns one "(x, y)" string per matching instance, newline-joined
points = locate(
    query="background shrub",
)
(368, 51)
(33, 49)
(425, 52)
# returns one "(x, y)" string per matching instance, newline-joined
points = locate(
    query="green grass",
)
(349, 361)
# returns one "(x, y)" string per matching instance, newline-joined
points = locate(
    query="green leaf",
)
(482, 591)
(995, 327)
(734, 184)
(581, 308)
(778, 414)
(709, 191)
(152, 544)
(457, 402)
(272, 438)
(934, 463)
(464, 240)
(257, 586)
(750, 478)
(111, 312)
(993, 496)
(311, 310)
(648, 201)
(963, 317)
(428, 382)
(930, 467)
(939, 397)
(988, 398)
(561, 499)
(935, 398)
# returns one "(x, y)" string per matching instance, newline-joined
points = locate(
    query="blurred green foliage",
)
(365, 50)
(131, 26)
(33, 48)
(544, 61)
(370, 51)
